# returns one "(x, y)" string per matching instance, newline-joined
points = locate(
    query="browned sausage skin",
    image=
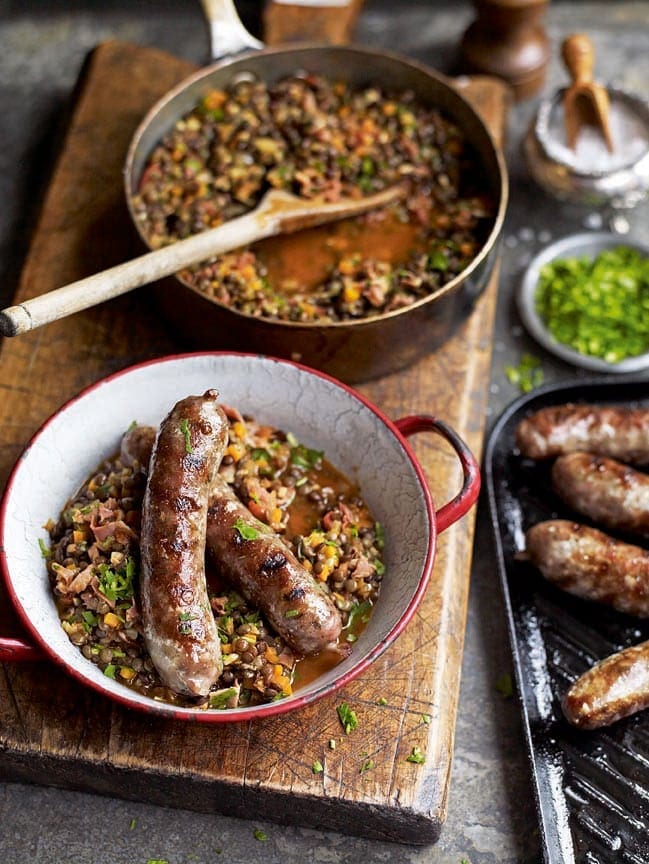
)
(614, 688)
(612, 494)
(616, 431)
(255, 560)
(591, 564)
(269, 576)
(178, 625)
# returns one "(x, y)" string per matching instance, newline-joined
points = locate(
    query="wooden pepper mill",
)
(508, 40)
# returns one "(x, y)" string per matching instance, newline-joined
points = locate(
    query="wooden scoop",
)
(277, 213)
(584, 102)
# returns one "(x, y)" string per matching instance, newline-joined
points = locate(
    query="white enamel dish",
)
(321, 412)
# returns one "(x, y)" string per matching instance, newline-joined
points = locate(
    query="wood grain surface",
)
(52, 731)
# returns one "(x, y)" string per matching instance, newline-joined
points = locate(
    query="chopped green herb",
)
(184, 428)
(347, 717)
(527, 375)
(45, 552)
(367, 765)
(598, 306)
(505, 686)
(380, 535)
(416, 756)
(382, 701)
(221, 698)
(117, 584)
(304, 457)
(437, 260)
(351, 637)
(291, 613)
(89, 620)
(258, 834)
(360, 612)
(132, 824)
(426, 718)
(379, 566)
(246, 531)
(110, 670)
(317, 767)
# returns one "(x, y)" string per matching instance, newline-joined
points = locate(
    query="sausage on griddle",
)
(612, 494)
(614, 688)
(616, 431)
(590, 564)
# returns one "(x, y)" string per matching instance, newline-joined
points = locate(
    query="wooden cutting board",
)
(52, 731)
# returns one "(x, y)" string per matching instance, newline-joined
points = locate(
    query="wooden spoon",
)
(278, 212)
(585, 102)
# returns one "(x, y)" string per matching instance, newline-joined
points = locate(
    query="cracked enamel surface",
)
(322, 414)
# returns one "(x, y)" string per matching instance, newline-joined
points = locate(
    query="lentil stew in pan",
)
(313, 136)
(93, 565)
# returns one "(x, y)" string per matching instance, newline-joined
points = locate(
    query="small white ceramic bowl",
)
(588, 244)
(321, 412)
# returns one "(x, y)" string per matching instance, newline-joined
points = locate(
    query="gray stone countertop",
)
(491, 810)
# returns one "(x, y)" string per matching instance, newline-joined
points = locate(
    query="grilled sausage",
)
(278, 587)
(179, 628)
(614, 688)
(619, 432)
(257, 562)
(588, 563)
(612, 494)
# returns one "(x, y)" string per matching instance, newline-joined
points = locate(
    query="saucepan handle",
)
(227, 34)
(12, 649)
(468, 494)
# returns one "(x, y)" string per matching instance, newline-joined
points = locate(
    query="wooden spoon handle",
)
(277, 212)
(132, 274)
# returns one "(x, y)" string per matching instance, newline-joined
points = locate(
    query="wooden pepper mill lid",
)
(508, 40)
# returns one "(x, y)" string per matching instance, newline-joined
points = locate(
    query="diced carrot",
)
(111, 620)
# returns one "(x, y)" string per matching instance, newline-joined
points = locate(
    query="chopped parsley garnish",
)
(45, 552)
(291, 613)
(317, 767)
(221, 698)
(303, 457)
(380, 535)
(247, 532)
(527, 375)
(347, 717)
(184, 428)
(117, 584)
(437, 260)
(184, 625)
(382, 701)
(258, 834)
(367, 765)
(110, 670)
(416, 756)
(89, 620)
(359, 612)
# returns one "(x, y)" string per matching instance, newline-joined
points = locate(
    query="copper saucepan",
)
(350, 350)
